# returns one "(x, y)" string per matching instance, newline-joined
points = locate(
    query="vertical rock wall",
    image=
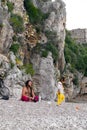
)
(6, 32)
(55, 23)
(44, 67)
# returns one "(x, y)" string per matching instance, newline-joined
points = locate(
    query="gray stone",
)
(6, 36)
(42, 116)
(18, 7)
(83, 85)
(12, 57)
(1, 14)
(43, 39)
(47, 78)
(79, 35)
(55, 23)
(44, 78)
(4, 62)
(15, 79)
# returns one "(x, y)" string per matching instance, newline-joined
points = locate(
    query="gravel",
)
(44, 115)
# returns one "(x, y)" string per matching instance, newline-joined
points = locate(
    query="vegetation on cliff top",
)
(14, 48)
(10, 6)
(16, 22)
(36, 16)
(75, 54)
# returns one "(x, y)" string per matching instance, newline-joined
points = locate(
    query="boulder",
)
(15, 79)
(44, 78)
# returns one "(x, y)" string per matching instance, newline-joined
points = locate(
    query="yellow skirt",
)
(60, 99)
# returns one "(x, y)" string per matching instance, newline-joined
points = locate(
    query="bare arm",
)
(33, 94)
(24, 92)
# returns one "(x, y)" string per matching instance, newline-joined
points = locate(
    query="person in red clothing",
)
(28, 92)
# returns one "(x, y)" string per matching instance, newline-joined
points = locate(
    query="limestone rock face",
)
(44, 76)
(14, 80)
(1, 14)
(18, 7)
(47, 78)
(12, 58)
(75, 84)
(55, 23)
(31, 37)
(45, 71)
(6, 33)
(6, 37)
(83, 86)
(69, 88)
(4, 63)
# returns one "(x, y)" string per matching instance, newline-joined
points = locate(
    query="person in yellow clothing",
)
(60, 92)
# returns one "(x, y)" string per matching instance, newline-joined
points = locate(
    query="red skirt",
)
(26, 99)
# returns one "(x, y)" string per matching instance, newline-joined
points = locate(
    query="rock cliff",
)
(6, 31)
(44, 67)
(55, 23)
(33, 48)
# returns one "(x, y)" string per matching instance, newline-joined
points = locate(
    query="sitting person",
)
(60, 93)
(28, 92)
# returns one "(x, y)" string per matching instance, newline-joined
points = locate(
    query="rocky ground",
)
(18, 115)
(80, 98)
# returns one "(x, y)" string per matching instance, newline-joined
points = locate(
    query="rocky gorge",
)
(34, 48)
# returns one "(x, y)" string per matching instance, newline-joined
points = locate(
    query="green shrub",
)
(72, 69)
(80, 64)
(29, 69)
(12, 65)
(35, 14)
(37, 49)
(45, 16)
(44, 49)
(44, 53)
(14, 48)
(85, 58)
(52, 48)
(85, 61)
(14, 38)
(85, 74)
(70, 56)
(75, 54)
(3, 1)
(51, 36)
(38, 29)
(10, 6)
(1, 25)
(16, 22)
(75, 80)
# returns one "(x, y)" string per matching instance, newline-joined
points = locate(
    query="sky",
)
(76, 14)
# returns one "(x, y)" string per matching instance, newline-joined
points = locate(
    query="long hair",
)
(62, 79)
(26, 83)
